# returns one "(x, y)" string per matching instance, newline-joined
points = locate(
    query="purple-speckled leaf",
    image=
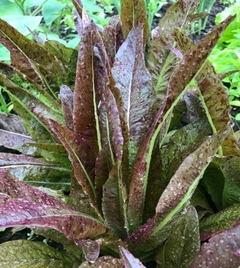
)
(134, 82)
(23, 205)
(211, 88)
(73, 224)
(112, 37)
(160, 60)
(12, 123)
(221, 250)
(12, 188)
(187, 68)
(83, 169)
(129, 260)
(17, 142)
(66, 96)
(31, 58)
(86, 98)
(25, 254)
(132, 14)
(179, 192)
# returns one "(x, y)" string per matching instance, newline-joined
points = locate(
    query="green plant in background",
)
(153, 7)
(226, 55)
(204, 7)
(5, 107)
(97, 123)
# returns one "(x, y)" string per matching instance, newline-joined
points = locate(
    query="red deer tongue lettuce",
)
(113, 124)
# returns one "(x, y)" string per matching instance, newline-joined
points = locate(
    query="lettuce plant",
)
(99, 158)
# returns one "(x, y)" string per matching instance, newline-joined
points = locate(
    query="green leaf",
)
(132, 14)
(112, 203)
(24, 254)
(213, 182)
(50, 10)
(23, 23)
(183, 243)
(189, 138)
(219, 221)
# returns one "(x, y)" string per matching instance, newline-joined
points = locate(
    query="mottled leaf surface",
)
(221, 250)
(183, 243)
(160, 60)
(187, 68)
(134, 12)
(179, 191)
(112, 203)
(219, 221)
(12, 123)
(83, 170)
(24, 254)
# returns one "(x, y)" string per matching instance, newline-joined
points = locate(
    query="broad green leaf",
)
(219, 221)
(230, 169)
(213, 182)
(129, 260)
(133, 13)
(221, 250)
(51, 10)
(183, 243)
(35, 171)
(187, 69)
(23, 22)
(24, 254)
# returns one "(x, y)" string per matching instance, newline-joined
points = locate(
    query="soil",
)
(8, 235)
